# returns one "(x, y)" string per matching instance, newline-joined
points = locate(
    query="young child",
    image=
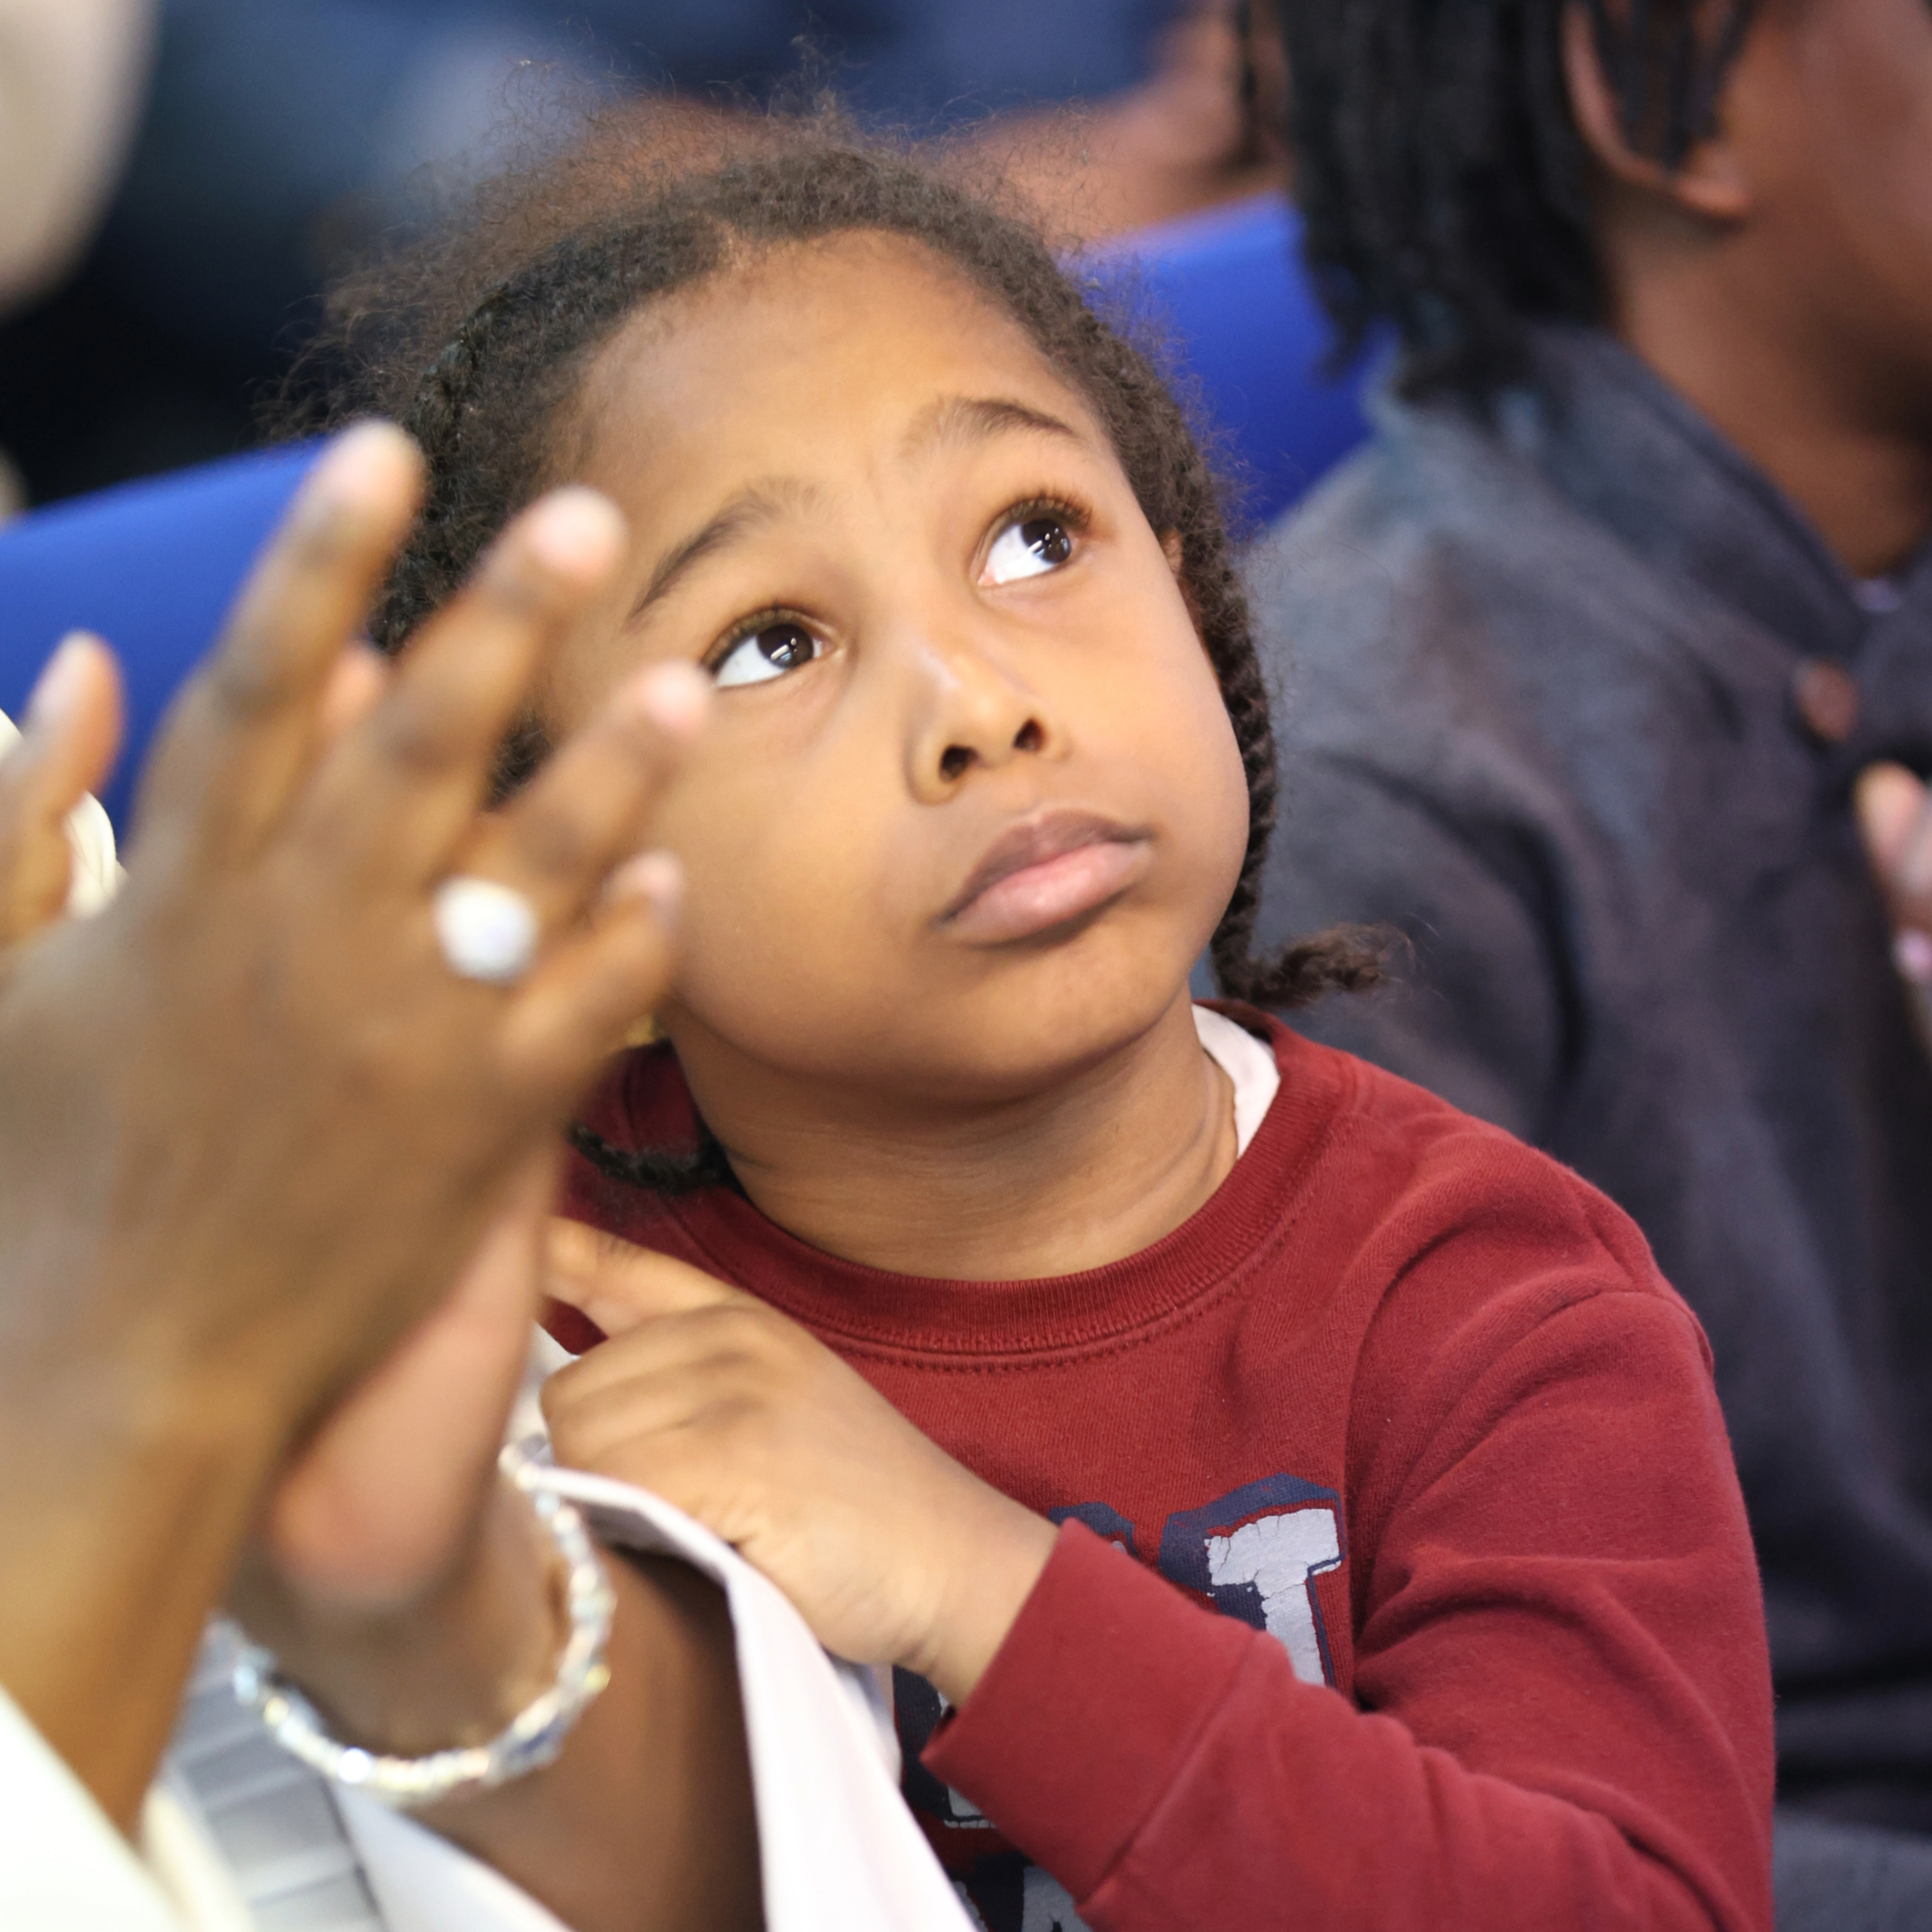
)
(1283, 1500)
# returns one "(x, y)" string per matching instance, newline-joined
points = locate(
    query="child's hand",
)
(892, 1551)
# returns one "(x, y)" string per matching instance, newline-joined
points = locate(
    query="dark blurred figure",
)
(280, 135)
(1586, 655)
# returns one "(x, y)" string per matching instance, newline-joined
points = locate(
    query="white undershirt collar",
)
(1250, 1067)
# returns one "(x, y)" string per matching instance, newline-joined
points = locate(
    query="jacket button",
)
(1826, 696)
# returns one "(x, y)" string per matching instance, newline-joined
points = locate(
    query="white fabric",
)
(1249, 1067)
(838, 1850)
(837, 1847)
(177, 1848)
(90, 838)
(269, 1823)
(63, 1866)
(233, 1815)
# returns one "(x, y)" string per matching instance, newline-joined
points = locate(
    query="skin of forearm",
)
(645, 1821)
(121, 1504)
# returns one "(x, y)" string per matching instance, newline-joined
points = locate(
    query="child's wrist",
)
(1003, 1548)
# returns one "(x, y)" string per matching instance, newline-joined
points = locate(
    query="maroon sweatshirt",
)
(1404, 1579)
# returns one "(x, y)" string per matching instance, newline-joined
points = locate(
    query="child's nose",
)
(976, 714)
(957, 760)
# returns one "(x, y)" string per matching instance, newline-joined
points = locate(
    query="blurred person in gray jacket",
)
(1590, 666)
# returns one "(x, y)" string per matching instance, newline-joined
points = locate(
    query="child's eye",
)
(1029, 547)
(769, 651)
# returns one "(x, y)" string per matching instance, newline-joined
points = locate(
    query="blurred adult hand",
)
(45, 780)
(1205, 127)
(1895, 820)
(252, 1126)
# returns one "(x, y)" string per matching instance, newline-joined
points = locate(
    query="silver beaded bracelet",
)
(531, 1740)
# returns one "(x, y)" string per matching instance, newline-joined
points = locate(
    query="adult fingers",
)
(406, 784)
(620, 1287)
(558, 840)
(240, 740)
(72, 730)
(586, 994)
(356, 683)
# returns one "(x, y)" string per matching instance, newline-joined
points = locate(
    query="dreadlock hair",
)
(480, 345)
(1442, 180)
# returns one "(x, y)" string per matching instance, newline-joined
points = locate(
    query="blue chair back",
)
(1242, 328)
(152, 566)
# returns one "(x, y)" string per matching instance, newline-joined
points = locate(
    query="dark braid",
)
(655, 1170)
(493, 409)
(1443, 186)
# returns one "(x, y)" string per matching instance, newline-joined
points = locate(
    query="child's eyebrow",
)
(955, 419)
(974, 418)
(750, 508)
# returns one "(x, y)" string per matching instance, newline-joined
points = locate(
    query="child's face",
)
(971, 804)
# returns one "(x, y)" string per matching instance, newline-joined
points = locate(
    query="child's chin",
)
(1060, 1013)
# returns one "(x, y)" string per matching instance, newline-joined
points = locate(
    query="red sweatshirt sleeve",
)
(1561, 1697)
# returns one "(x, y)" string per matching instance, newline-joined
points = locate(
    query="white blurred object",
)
(90, 838)
(180, 1854)
(72, 74)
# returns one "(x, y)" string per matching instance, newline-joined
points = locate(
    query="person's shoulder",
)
(1407, 1187)
(1433, 482)
(1439, 559)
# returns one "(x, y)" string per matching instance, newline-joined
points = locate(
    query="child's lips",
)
(1046, 874)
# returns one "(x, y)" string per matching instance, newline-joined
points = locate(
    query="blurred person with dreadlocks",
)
(1607, 672)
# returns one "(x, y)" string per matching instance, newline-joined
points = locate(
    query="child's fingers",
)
(706, 1370)
(608, 1428)
(72, 731)
(710, 1370)
(656, 1436)
(619, 1286)
(240, 739)
(406, 784)
(557, 842)
(590, 990)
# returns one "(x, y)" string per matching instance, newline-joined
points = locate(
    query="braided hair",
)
(1443, 183)
(545, 281)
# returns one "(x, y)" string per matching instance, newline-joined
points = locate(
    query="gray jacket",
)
(1544, 691)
